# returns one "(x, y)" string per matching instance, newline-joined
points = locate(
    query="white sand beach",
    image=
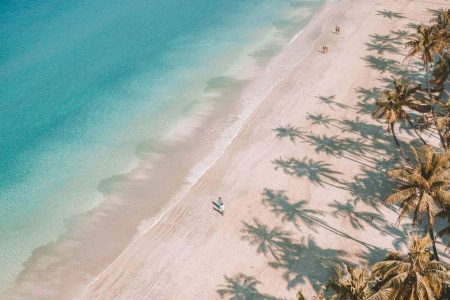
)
(294, 207)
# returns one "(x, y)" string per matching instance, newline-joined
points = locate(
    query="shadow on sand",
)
(302, 260)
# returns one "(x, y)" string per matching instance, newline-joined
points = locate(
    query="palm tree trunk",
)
(431, 233)
(426, 78)
(441, 137)
(444, 145)
(415, 130)
(398, 144)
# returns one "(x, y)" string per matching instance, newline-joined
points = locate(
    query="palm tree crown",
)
(424, 42)
(350, 284)
(391, 106)
(392, 102)
(411, 276)
(441, 29)
(423, 187)
(441, 70)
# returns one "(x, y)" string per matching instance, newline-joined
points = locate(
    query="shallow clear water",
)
(83, 83)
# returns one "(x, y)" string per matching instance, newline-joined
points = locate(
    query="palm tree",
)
(443, 123)
(443, 18)
(446, 230)
(411, 276)
(424, 42)
(423, 188)
(441, 70)
(404, 93)
(391, 106)
(350, 284)
(441, 29)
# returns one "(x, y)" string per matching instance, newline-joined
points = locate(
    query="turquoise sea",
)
(83, 83)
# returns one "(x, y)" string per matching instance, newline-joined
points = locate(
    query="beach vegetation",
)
(415, 275)
(423, 188)
(424, 42)
(350, 283)
(421, 180)
(412, 179)
(392, 106)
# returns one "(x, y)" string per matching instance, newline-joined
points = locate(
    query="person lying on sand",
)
(221, 205)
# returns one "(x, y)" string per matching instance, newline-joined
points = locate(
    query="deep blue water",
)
(84, 82)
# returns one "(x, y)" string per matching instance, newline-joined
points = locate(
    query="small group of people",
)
(337, 30)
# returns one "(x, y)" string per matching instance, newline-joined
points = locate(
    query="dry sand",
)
(288, 221)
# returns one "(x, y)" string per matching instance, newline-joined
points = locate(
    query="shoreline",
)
(43, 255)
(231, 131)
(156, 235)
(193, 251)
(273, 68)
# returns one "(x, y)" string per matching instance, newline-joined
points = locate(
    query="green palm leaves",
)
(424, 43)
(351, 284)
(411, 276)
(423, 187)
(441, 70)
(392, 105)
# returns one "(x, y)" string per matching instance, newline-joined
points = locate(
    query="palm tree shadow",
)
(267, 240)
(301, 261)
(242, 287)
(395, 38)
(320, 119)
(332, 103)
(367, 98)
(297, 212)
(374, 148)
(381, 48)
(357, 219)
(383, 65)
(371, 149)
(367, 132)
(373, 134)
(390, 14)
(354, 149)
(384, 43)
(372, 184)
(281, 206)
(398, 233)
(306, 261)
(318, 172)
(288, 131)
(370, 187)
(400, 34)
(412, 26)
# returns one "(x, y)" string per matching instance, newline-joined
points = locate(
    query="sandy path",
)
(329, 210)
